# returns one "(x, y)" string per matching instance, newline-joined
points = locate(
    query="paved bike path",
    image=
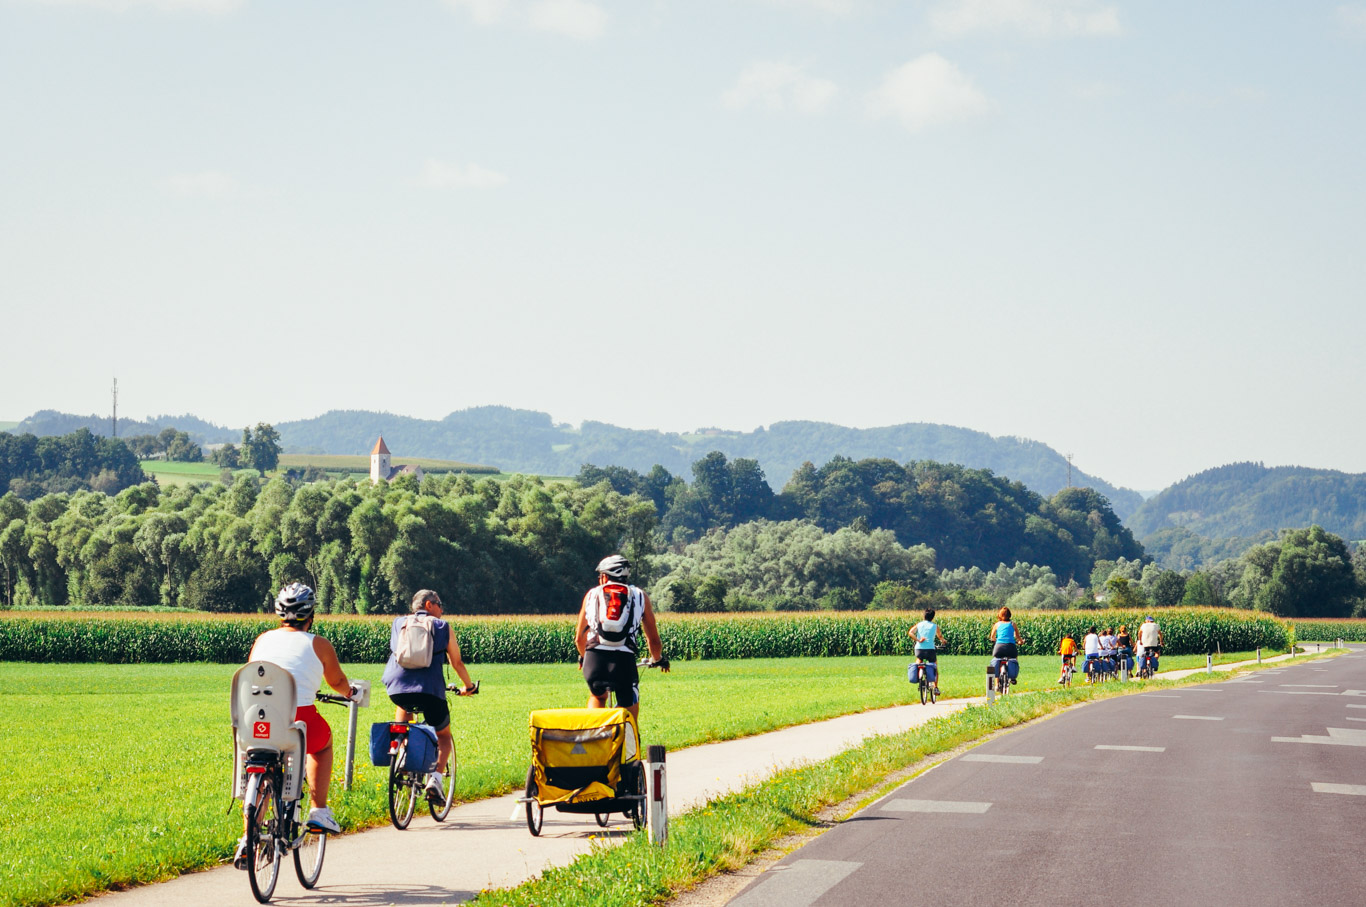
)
(480, 847)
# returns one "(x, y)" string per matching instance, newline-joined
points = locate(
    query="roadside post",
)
(1339, 642)
(656, 796)
(1259, 655)
(358, 702)
(1209, 664)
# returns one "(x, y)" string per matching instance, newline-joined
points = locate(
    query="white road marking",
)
(1356, 790)
(1204, 690)
(1316, 686)
(797, 884)
(1132, 749)
(1337, 736)
(1299, 693)
(1162, 695)
(1350, 718)
(936, 806)
(1199, 717)
(1353, 705)
(1013, 760)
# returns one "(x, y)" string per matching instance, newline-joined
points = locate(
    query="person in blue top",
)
(424, 689)
(1005, 638)
(925, 634)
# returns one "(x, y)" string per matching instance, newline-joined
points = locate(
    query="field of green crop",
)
(360, 463)
(65, 636)
(124, 769)
(1329, 630)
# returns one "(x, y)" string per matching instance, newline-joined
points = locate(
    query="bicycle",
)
(408, 785)
(274, 825)
(1001, 678)
(1145, 666)
(1068, 669)
(926, 685)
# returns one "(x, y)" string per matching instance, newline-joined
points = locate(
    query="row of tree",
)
(169, 443)
(32, 466)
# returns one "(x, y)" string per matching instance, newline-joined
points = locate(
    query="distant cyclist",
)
(611, 617)
(1150, 638)
(1090, 643)
(1068, 650)
(310, 660)
(1124, 648)
(424, 689)
(926, 634)
(1005, 638)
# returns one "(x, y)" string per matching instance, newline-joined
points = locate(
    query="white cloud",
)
(483, 12)
(1353, 17)
(779, 86)
(574, 18)
(1036, 18)
(927, 91)
(213, 184)
(440, 175)
(165, 6)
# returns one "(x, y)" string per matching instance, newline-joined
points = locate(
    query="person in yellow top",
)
(1068, 649)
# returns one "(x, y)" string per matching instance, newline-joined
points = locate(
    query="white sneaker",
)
(322, 818)
(436, 783)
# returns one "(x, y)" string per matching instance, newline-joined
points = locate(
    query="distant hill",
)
(51, 422)
(1247, 500)
(526, 441)
(516, 440)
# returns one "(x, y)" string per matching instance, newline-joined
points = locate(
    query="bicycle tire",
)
(602, 819)
(638, 811)
(535, 814)
(263, 842)
(933, 696)
(308, 855)
(923, 692)
(441, 810)
(402, 796)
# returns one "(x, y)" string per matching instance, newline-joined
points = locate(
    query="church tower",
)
(379, 461)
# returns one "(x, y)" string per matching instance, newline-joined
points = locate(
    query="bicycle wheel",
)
(923, 691)
(440, 809)
(535, 815)
(932, 694)
(602, 819)
(263, 841)
(308, 855)
(402, 793)
(638, 788)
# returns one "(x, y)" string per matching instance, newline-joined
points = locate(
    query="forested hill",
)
(517, 440)
(525, 441)
(1245, 499)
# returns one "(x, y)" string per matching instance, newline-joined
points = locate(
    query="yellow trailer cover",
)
(578, 753)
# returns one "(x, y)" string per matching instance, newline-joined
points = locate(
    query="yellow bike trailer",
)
(584, 761)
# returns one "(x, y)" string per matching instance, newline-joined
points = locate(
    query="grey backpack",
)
(415, 642)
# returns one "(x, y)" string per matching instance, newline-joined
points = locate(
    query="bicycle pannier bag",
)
(421, 752)
(379, 743)
(415, 639)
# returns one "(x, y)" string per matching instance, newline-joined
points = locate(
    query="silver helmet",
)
(295, 602)
(615, 566)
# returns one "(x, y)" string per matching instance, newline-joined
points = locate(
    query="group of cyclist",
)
(611, 617)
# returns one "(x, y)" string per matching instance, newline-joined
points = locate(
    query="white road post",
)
(656, 796)
(1259, 655)
(361, 699)
(1209, 664)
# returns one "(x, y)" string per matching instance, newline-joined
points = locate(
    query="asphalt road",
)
(1246, 792)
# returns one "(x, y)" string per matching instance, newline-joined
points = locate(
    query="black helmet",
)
(295, 602)
(615, 566)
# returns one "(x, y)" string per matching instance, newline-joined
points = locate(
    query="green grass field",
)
(360, 463)
(128, 776)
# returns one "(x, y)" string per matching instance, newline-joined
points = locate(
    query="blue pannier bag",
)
(379, 743)
(1012, 668)
(913, 672)
(421, 752)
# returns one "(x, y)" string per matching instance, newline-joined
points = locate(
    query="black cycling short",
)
(1005, 650)
(434, 709)
(612, 672)
(927, 655)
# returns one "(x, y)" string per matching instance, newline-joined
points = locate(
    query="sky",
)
(1132, 231)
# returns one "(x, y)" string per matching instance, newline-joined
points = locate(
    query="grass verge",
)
(731, 831)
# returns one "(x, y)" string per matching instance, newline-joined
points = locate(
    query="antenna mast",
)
(1069, 470)
(115, 417)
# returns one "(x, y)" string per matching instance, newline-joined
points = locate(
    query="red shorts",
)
(319, 732)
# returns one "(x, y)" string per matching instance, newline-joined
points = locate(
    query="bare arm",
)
(647, 623)
(581, 629)
(453, 656)
(332, 669)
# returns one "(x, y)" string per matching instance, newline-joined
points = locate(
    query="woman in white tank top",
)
(293, 651)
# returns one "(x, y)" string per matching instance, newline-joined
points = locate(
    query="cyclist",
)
(925, 634)
(1068, 650)
(1090, 643)
(311, 660)
(1150, 638)
(607, 636)
(1005, 638)
(424, 689)
(1124, 646)
(1107, 648)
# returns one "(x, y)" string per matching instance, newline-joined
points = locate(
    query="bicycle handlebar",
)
(662, 664)
(332, 697)
(458, 690)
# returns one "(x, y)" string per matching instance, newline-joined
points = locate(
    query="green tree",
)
(1313, 577)
(260, 448)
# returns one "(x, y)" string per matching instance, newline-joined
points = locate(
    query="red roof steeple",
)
(379, 447)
